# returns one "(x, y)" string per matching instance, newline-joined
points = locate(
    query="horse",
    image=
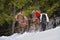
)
(34, 21)
(23, 24)
(35, 24)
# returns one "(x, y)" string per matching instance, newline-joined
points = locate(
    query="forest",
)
(9, 9)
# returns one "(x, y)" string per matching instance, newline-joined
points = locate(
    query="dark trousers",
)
(54, 25)
(43, 26)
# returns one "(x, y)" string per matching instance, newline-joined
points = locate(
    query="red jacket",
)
(38, 14)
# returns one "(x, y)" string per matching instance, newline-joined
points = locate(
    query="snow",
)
(52, 34)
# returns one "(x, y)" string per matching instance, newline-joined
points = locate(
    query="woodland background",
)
(9, 8)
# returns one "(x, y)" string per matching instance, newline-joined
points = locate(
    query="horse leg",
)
(36, 25)
(39, 27)
(19, 28)
(29, 23)
(28, 28)
(22, 30)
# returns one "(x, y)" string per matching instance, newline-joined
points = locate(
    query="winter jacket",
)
(38, 14)
(47, 19)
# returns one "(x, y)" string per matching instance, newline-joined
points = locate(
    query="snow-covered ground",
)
(52, 34)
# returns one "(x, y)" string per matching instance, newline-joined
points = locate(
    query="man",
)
(54, 21)
(38, 14)
(44, 20)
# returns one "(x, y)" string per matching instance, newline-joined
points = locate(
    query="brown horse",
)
(23, 24)
(35, 24)
(36, 21)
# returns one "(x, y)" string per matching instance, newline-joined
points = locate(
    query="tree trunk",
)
(13, 24)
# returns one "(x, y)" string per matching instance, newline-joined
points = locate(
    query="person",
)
(36, 19)
(38, 14)
(59, 21)
(54, 21)
(44, 20)
(33, 13)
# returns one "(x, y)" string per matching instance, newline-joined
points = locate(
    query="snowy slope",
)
(52, 34)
